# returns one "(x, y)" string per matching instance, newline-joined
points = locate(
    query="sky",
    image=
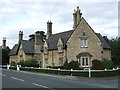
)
(31, 15)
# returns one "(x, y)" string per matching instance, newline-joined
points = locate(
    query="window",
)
(21, 52)
(85, 62)
(46, 61)
(83, 42)
(60, 48)
(45, 50)
(60, 61)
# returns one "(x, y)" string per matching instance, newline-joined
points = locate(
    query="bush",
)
(13, 63)
(56, 67)
(22, 63)
(97, 65)
(66, 65)
(74, 65)
(28, 63)
(108, 64)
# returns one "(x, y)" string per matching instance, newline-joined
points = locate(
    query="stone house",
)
(80, 44)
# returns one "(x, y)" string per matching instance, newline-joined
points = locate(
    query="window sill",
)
(84, 47)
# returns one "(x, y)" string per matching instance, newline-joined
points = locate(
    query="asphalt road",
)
(22, 79)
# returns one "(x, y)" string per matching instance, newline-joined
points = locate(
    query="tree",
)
(42, 33)
(107, 64)
(115, 50)
(32, 37)
(5, 56)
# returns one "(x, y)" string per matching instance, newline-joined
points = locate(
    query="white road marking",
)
(3, 75)
(42, 86)
(17, 79)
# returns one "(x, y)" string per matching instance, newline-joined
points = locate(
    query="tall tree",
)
(115, 50)
(5, 56)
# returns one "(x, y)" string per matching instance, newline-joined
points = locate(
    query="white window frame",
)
(45, 50)
(60, 48)
(21, 52)
(84, 43)
(85, 58)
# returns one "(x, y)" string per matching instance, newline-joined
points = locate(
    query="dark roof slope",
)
(53, 39)
(28, 46)
(105, 44)
(14, 50)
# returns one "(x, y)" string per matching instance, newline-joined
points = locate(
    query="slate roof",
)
(53, 39)
(104, 42)
(28, 46)
(14, 50)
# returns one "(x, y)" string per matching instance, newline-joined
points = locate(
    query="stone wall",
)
(93, 42)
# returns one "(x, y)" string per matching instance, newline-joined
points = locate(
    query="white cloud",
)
(30, 17)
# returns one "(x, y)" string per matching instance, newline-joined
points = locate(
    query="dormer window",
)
(21, 52)
(45, 50)
(60, 48)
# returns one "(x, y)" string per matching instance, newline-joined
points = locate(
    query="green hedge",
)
(64, 72)
(83, 74)
(13, 68)
(105, 73)
(74, 73)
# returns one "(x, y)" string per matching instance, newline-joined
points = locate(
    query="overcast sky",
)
(31, 16)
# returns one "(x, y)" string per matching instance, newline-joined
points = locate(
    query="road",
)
(22, 79)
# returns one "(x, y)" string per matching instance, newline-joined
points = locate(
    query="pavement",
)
(23, 79)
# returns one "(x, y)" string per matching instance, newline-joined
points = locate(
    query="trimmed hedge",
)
(83, 74)
(73, 73)
(64, 72)
(13, 68)
(105, 73)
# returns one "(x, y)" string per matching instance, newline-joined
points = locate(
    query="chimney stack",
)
(49, 28)
(76, 17)
(4, 43)
(20, 35)
(38, 42)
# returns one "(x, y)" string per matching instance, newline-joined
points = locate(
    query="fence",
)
(83, 73)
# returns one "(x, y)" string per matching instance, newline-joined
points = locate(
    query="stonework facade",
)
(81, 44)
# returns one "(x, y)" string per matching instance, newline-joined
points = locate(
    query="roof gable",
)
(14, 50)
(53, 39)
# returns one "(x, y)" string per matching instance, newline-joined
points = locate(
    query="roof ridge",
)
(62, 32)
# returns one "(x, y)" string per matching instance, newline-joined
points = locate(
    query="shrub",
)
(66, 65)
(56, 67)
(108, 64)
(73, 65)
(97, 65)
(28, 63)
(13, 63)
(22, 63)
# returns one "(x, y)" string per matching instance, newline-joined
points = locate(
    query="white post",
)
(58, 70)
(8, 66)
(89, 72)
(105, 69)
(71, 71)
(18, 69)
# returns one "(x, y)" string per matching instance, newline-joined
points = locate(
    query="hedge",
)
(73, 73)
